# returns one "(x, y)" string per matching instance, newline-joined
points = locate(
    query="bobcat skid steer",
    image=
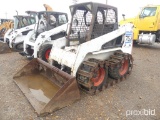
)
(50, 26)
(22, 25)
(93, 51)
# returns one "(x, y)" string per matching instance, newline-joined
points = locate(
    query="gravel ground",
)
(140, 91)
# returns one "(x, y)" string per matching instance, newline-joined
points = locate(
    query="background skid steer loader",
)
(50, 26)
(95, 48)
(22, 25)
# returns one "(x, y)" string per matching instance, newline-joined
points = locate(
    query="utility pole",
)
(17, 12)
(106, 2)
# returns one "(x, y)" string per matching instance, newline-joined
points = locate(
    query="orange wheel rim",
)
(47, 54)
(124, 68)
(99, 77)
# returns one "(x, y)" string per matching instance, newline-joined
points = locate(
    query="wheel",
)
(119, 71)
(44, 52)
(3, 30)
(99, 79)
(92, 76)
(124, 68)
(19, 47)
(29, 50)
(135, 42)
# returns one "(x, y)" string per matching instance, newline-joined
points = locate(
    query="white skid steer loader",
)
(94, 54)
(50, 26)
(22, 25)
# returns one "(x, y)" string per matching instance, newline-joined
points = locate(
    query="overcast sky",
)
(128, 7)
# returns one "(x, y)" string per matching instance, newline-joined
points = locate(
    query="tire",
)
(44, 52)
(19, 47)
(97, 78)
(119, 71)
(135, 42)
(29, 51)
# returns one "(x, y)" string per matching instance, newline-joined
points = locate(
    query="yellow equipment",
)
(146, 25)
(6, 24)
(47, 7)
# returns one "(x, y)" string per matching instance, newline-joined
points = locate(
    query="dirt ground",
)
(141, 91)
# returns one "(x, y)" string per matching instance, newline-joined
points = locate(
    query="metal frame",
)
(93, 8)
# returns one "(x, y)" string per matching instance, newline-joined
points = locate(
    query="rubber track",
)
(87, 69)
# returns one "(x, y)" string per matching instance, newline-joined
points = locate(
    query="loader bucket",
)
(46, 87)
(4, 48)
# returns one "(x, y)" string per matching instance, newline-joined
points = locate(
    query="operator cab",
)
(91, 20)
(23, 21)
(5, 20)
(48, 20)
(148, 12)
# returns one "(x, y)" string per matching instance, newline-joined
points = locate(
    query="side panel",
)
(128, 42)
(147, 23)
(85, 48)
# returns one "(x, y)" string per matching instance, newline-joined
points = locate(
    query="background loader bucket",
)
(4, 48)
(46, 87)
